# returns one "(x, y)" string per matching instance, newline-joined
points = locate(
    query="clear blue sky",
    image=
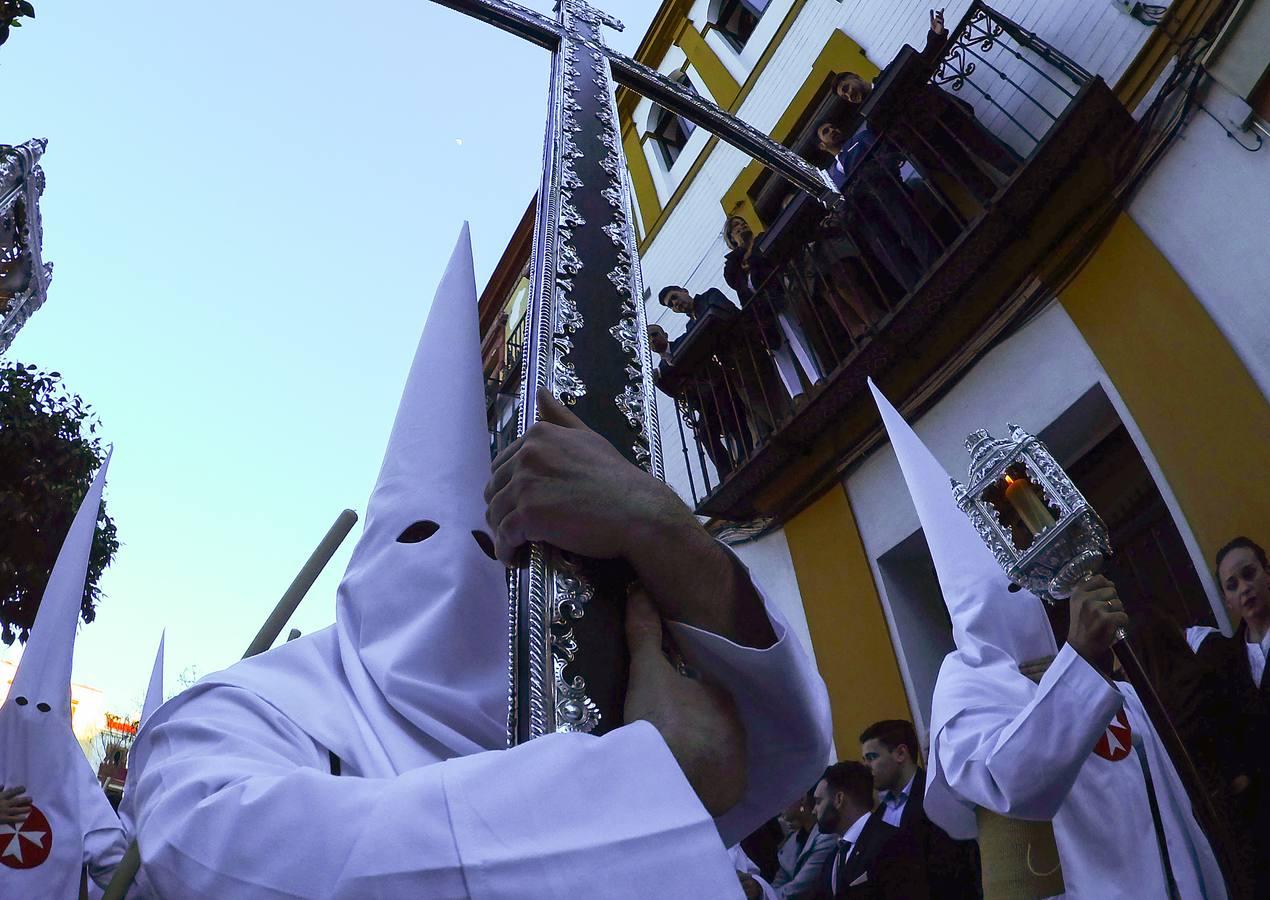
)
(248, 209)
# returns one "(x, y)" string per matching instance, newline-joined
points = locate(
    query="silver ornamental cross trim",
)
(22, 181)
(586, 339)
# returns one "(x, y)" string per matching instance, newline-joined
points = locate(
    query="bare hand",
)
(563, 484)
(750, 886)
(698, 721)
(937, 22)
(1096, 615)
(15, 806)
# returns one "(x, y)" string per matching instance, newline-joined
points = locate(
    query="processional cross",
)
(586, 342)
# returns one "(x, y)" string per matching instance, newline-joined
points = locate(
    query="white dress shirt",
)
(849, 838)
(893, 804)
(1257, 653)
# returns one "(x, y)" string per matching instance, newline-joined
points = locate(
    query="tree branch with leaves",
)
(49, 452)
(10, 12)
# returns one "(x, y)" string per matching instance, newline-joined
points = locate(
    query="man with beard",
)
(872, 860)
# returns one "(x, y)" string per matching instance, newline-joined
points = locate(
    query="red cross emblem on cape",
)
(1117, 740)
(27, 844)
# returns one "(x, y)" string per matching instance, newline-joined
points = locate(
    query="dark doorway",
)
(1150, 566)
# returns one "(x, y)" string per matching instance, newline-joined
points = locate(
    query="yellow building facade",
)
(1075, 297)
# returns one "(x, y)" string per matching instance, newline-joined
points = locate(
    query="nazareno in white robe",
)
(75, 826)
(1037, 751)
(231, 793)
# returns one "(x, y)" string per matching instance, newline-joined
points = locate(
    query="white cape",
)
(233, 798)
(71, 824)
(1025, 750)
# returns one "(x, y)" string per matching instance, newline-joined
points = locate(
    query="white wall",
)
(769, 560)
(1206, 206)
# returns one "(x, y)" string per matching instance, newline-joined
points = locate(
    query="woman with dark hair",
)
(752, 275)
(1243, 577)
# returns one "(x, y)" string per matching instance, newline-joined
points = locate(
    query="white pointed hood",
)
(44, 672)
(38, 749)
(995, 629)
(419, 568)
(154, 692)
(990, 623)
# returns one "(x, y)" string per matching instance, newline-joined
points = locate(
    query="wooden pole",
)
(300, 586)
(128, 867)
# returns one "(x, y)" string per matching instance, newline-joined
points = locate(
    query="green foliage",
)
(49, 453)
(10, 12)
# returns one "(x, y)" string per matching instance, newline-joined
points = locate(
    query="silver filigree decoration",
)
(575, 711)
(569, 387)
(631, 404)
(626, 334)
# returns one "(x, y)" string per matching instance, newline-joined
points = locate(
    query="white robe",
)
(229, 797)
(71, 824)
(1026, 750)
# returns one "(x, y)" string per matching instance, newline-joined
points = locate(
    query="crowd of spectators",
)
(811, 299)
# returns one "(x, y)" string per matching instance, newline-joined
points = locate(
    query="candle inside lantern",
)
(1031, 509)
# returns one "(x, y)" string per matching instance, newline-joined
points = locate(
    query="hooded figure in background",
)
(70, 824)
(367, 759)
(154, 690)
(1065, 749)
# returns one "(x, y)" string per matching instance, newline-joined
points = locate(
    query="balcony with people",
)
(964, 169)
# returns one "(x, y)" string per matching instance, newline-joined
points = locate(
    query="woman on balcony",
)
(755, 279)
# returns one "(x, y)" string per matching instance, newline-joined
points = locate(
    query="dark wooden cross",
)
(586, 342)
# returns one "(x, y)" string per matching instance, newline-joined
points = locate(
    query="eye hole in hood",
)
(418, 532)
(486, 542)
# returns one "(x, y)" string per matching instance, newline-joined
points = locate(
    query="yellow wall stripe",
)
(719, 81)
(641, 176)
(1205, 420)
(844, 614)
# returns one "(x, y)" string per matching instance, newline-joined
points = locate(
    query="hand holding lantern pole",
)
(1061, 545)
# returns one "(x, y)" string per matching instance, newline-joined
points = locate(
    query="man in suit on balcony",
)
(890, 750)
(873, 860)
(714, 421)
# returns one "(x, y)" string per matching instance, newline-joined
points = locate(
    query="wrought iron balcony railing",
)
(944, 188)
(501, 391)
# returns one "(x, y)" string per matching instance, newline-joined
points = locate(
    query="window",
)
(671, 132)
(737, 19)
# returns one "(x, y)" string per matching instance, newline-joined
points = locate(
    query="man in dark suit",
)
(678, 299)
(873, 860)
(1243, 574)
(890, 750)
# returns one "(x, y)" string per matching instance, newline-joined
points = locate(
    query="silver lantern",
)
(1032, 517)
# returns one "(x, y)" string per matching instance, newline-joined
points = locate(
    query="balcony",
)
(502, 384)
(977, 166)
